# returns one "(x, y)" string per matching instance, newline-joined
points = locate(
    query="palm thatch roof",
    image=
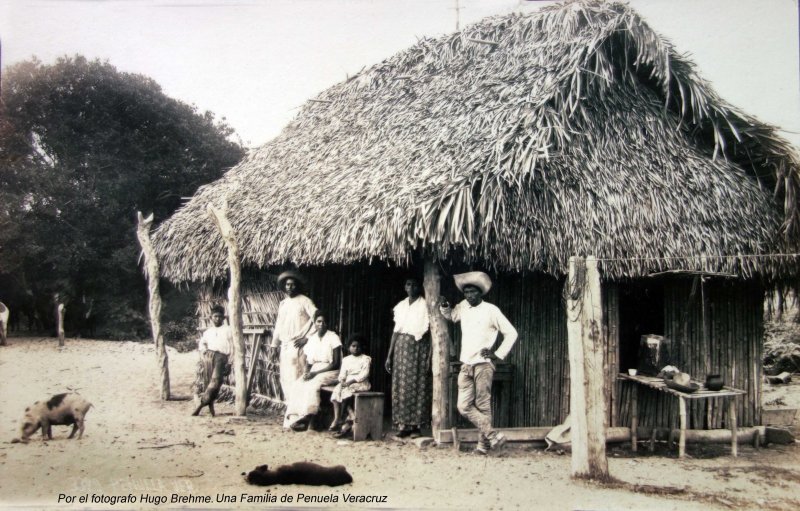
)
(517, 142)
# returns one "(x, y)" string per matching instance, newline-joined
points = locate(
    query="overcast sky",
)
(255, 62)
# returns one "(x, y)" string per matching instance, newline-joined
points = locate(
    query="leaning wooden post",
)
(220, 219)
(587, 399)
(152, 272)
(440, 345)
(60, 311)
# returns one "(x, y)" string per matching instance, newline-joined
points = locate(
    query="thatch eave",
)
(578, 131)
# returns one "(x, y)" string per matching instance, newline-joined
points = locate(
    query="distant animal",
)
(4, 313)
(301, 472)
(61, 409)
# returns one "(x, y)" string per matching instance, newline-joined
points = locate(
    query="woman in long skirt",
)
(409, 362)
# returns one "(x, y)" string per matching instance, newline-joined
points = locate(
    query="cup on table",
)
(632, 372)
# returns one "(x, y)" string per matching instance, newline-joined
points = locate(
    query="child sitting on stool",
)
(353, 377)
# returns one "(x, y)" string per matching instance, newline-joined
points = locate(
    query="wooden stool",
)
(369, 416)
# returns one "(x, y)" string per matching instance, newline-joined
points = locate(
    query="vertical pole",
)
(733, 425)
(634, 416)
(440, 344)
(587, 398)
(4, 317)
(60, 311)
(151, 271)
(220, 219)
(682, 434)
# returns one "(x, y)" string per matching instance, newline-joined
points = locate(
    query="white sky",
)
(253, 62)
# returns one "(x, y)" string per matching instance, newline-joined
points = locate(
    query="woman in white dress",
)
(323, 357)
(294, 321)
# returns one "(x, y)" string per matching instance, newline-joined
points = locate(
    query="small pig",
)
(61, 409)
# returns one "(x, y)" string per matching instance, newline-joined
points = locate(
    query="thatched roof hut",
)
(514, 144)
(519, 141)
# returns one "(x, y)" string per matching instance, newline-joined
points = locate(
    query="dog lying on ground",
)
(61, 409)
(301, 472)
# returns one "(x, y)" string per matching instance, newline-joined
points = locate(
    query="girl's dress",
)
(352, 367)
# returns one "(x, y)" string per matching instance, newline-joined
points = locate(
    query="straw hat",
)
(473, 278)
(291, 274)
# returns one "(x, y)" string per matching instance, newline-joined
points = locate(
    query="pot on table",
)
(714, 382)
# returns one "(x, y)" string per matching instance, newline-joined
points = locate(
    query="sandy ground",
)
(135, 444)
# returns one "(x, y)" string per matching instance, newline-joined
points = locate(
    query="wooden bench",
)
(368, 411)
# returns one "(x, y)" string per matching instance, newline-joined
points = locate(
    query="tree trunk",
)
(220, 219)
(440, 345)
(587, 399)
(151, 271)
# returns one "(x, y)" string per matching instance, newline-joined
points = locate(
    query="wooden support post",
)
(152, 273)
(733, 426)
(652, 445)
(61, 309)
(587, 398)
(682, 434)
(220, 219)
(4, 315)
(634, 417)
(440, 345)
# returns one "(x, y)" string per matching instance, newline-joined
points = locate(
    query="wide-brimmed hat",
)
(291, 274)
(473, 278)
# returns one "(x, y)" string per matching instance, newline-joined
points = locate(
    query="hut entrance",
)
(641, 312)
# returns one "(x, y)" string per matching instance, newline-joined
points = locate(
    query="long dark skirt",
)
(411, 381)
(210, 373)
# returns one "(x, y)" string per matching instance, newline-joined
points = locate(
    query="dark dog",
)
(301, 472)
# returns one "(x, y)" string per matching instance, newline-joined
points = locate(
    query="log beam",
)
(585, 345)
(617, 434)
(220, 218)
(152, 273)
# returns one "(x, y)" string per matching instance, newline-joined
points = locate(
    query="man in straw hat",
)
(294, 321)
(215, 346)
(480, 323)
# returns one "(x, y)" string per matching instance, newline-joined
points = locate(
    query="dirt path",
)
(135, 444)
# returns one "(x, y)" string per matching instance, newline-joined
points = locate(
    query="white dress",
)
(304, 398)
(352, 368)
(294, 314)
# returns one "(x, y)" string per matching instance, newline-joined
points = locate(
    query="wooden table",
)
(658, 384)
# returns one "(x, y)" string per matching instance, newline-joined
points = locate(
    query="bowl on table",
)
(688, 388)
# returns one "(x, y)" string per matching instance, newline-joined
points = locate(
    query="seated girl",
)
(323, 354)
(353, 377)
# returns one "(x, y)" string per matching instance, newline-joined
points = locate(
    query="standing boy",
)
(215, 346)
(480, 323)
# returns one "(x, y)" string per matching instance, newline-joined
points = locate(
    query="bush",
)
(781, 346)
(181, 334)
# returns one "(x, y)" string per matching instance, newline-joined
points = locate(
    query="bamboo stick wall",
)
(360, 298)
(730, 344)
(534, 306)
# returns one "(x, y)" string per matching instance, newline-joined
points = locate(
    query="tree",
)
(83, 147)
